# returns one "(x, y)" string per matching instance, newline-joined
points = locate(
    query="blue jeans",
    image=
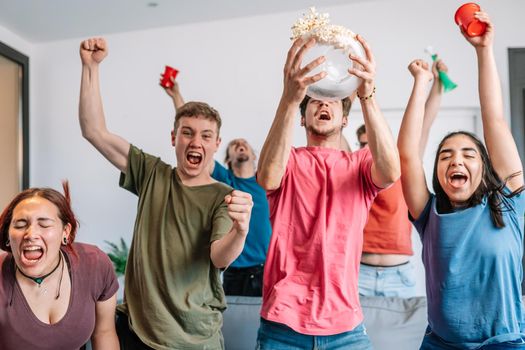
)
(277, 336)
(396, 281)
(432, 341)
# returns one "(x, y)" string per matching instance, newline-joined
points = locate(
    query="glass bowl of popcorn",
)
(336, 43)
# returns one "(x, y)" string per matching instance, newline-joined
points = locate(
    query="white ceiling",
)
(49, 20)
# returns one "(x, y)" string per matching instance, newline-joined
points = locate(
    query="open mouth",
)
(324, 115)
(458, 179)
(194, 158)
(32, 253)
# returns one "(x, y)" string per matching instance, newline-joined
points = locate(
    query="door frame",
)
(23, 61)
(517, 95)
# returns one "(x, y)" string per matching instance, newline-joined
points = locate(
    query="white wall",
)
(236, 66)
(15, 41)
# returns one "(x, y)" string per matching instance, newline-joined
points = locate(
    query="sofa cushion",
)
(391, 323)
(241, 322)
(395, 323)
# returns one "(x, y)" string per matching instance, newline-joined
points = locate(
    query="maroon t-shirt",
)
(92, 279)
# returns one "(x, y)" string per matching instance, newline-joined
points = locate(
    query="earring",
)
(7, 243)
(64, 240)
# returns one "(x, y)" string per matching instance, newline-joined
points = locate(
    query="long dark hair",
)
(491, 185)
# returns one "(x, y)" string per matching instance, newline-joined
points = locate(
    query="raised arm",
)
(276, 148)
(432, 105)
(498, 137)
(174, 93)
(91, 112)
(385, 169)
(413, 180)
(225, 250)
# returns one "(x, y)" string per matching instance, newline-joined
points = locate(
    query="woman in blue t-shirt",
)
(472, 227)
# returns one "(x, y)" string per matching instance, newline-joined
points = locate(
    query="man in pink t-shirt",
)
(319, 198)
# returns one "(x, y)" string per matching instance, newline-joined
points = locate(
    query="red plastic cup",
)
(464, 17)
(169, 73)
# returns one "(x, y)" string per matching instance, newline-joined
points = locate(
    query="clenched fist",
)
(240, 209)
(420, 70)
(93, 51)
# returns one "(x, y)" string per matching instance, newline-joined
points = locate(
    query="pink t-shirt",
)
(318, 215)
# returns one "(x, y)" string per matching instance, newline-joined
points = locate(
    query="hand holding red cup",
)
(166, 80)
(464, 17)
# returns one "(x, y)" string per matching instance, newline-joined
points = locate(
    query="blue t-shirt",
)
(473, 273)
(258, 239)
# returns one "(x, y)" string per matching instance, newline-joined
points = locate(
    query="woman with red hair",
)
(54, 293)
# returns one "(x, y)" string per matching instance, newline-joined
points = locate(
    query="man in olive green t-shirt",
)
(188, 226)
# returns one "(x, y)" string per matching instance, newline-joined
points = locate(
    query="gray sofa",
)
(391, 323)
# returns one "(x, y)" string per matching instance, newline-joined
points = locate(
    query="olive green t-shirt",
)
(173, 295)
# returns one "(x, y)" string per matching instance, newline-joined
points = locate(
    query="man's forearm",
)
(225, 250)
(381, 143)
(276, 149)
(178, 101)
(91, 114)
